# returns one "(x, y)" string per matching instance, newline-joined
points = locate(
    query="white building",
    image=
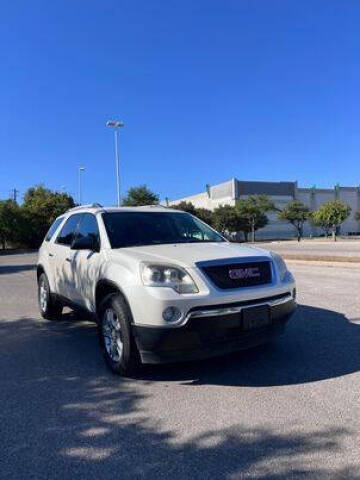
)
(280, 193)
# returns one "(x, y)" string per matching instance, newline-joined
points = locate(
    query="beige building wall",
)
(351, 196)
(314, 198)
(280, 193)
(276, 228)
(222, 194)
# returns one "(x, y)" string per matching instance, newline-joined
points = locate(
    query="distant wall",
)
(351, 196)
(222, 194)
(280, 193)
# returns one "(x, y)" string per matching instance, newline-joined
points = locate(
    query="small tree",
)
(296, 213)
(39, 209)
(332, 214)
(185, 207)
(202, 213)
(139, 196)
(10, 223)
(254, 209)
(226, 219)
(317, 219)
(246, 227)
(205, 215)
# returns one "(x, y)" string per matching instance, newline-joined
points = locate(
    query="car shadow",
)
(318, 344)
(64, 416)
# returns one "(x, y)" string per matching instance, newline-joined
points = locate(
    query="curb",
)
(321, 258)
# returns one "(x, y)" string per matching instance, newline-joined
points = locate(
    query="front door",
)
(64, 257)
(86, 263)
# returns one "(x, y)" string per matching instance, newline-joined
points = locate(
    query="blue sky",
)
(209, 90)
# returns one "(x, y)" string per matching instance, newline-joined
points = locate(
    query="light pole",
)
(81, 169)
(116, 125)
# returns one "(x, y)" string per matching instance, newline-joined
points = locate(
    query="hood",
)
(188, 254)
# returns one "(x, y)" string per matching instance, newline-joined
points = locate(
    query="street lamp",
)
(116, 125)
(81, 169)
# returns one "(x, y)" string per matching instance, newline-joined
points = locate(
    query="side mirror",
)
(84, 243)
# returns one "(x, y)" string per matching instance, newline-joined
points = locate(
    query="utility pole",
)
(116, 125)
(80, 170)
(14, 194)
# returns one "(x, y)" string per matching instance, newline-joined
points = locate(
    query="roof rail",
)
(158, 205)
(80, 207)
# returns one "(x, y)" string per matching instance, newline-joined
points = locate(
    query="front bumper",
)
(211, 331)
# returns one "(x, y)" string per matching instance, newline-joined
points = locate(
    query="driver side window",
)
(89, 228)
(69, 230)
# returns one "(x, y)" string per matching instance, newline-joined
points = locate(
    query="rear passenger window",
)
(69, 230)
(53, 229)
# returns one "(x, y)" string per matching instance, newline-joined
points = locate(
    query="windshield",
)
(132, 229)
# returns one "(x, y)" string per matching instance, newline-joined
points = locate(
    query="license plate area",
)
(256, 317)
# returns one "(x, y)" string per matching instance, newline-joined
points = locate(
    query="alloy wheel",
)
(111, 330)
(43, 296)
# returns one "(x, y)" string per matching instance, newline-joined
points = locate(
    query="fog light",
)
(171, 314)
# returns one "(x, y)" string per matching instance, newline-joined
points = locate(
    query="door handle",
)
(68, 259)
(51, 255)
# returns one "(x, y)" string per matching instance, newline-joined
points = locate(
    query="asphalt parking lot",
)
(287, 410)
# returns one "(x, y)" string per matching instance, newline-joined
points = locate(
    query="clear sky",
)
(209, 90)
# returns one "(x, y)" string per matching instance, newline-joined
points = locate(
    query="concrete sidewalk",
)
(316, 250)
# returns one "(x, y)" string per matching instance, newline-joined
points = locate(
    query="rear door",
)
(63, 256)
(47, 251)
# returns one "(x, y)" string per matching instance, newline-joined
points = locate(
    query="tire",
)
(115, 336)
(50, 307)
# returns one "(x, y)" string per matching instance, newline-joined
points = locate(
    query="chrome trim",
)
(233, 260)
(217, 312)
(231, 310)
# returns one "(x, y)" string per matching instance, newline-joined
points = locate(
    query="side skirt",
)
(66, 302)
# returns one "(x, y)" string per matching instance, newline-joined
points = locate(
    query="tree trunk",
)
(334, 233)
(299, 231)
(253, 232)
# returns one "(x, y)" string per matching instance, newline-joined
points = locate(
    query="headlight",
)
(177, 278)
(281, 266)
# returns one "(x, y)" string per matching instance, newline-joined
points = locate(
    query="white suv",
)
(162, 285)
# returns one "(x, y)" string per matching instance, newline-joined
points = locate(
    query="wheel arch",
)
(106, 287)
(39, 270)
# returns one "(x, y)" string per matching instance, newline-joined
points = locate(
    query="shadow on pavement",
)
(318, 344)
(16, 251)
(64, 415)
(8, 269)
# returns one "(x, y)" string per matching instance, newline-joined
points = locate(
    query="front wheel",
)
(50, 308)
(116, 340)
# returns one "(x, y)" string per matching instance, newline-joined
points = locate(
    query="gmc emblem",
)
(241, 273)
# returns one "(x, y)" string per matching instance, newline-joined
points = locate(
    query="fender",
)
(105, 286)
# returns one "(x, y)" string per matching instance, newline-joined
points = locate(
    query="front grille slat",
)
(239, 275)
